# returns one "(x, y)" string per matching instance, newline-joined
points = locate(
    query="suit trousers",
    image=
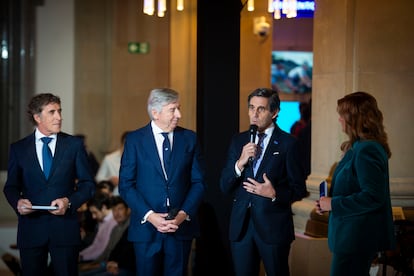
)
(250, 250)
(64, 260)
(166, 256)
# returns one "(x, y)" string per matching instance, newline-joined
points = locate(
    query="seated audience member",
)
(105, 186)
(118, 257)
(109, 169)
(100, 208)
(88, 226)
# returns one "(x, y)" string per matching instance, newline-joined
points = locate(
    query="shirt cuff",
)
(236, 168)
(144, 219)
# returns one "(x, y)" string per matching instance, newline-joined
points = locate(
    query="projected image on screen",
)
(291, 71)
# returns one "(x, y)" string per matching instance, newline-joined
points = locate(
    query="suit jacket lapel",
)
(31, 141)
(61, 145)
(177, 150)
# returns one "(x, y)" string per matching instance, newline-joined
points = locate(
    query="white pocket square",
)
(276, 152)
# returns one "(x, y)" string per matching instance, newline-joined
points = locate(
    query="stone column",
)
(363, 46)
(359, 45)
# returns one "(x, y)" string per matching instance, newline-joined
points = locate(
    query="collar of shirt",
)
(39, 143)
(159, 138)
(269, 132)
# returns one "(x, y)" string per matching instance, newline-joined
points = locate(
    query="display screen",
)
(288, 115)
(303, 8)
(291, 71)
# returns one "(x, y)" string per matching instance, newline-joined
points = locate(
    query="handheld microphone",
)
(252, 133)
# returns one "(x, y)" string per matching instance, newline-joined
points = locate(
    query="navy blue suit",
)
(269, 221)
(143, 186)
(70, 177)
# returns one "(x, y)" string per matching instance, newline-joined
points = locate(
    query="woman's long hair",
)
(363, 120)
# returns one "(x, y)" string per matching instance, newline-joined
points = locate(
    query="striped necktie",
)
(259, 152)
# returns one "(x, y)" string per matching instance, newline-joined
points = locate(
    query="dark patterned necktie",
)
(166, 151)
(46, 156)
(259, 151)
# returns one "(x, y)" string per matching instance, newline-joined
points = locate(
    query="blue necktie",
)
(259, 151)
(166, 150)
(47, 156)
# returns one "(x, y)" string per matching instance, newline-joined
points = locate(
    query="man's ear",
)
(275, 114)
(154, 114)
(37, 118)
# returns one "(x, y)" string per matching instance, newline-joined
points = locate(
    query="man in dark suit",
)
(265, 179)
(68, 184)
(162, 172)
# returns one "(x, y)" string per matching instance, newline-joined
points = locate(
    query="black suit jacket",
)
(70, 177)
(272, 219)
(123, 253)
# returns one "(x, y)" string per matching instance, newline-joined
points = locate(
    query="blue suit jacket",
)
(143, 186)
(70, 177)
(361, 217)
(272, 220)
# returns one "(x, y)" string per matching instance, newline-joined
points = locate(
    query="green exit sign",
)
(138, 47)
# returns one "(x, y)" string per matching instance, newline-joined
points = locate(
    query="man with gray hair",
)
(162, 181)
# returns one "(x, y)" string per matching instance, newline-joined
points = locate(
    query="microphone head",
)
(252, 132)
(253, 129)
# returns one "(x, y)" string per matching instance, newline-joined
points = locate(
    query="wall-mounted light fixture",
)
(149, 7)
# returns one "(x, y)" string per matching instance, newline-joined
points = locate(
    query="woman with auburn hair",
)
(360, 219)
